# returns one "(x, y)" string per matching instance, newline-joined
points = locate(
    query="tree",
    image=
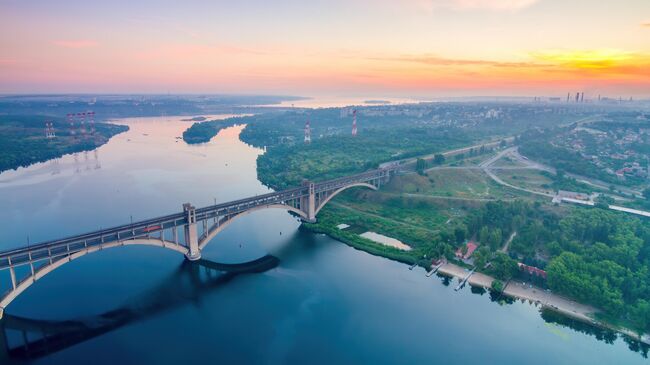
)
(460, 233)
(495, 238)
(481, 257)
(420, 166)
(439, 159)
(604, 201)
(646, 193)
(484, 235)
(503, 266)
(497, 286)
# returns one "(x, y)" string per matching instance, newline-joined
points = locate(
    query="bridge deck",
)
(150, 227)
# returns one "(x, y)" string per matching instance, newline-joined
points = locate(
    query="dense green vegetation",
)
(560, 181)
(596, 150)
(593, 255)
(333, 151)
(23, 142)
(385, 134)
(605, 261)
(204, 131)
(536, 145)
(286, 165)
(329, 218)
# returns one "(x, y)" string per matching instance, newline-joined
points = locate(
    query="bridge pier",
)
(4, 344)
(308, 204)
(191, 233)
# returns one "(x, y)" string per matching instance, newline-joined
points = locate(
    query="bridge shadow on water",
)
(23, 339)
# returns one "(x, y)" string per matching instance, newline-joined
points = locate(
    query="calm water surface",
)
(323, 303)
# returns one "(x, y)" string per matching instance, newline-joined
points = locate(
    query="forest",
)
(23, 142)
(593, 255)
(204, 131)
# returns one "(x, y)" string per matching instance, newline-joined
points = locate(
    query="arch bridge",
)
(186, 232)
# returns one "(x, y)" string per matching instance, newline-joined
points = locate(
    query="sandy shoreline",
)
(546, 299)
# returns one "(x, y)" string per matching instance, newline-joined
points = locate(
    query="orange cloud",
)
(608, 62)
(442, 61)
(75, 43)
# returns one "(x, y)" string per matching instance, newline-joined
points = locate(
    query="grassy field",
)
(528, 179)
(452, 183)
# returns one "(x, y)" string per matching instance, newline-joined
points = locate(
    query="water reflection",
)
(600, 333)
(27, 339)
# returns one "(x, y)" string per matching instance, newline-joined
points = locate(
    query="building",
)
(471, 247)
(532, 270)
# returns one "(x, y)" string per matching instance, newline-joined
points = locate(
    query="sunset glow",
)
(416, 48)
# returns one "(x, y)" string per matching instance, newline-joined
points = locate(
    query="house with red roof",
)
(532, 270)
(471, 247)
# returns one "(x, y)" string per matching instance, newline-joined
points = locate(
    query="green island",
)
(204, 131)
(590, 254)
(23, 141)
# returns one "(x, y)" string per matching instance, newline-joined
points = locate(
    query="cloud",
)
(466, 5)
(442, 61)
(586, 59)
(81, 43)
(598, 62)
(646, 24)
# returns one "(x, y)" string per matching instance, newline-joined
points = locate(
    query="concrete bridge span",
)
(186, 232)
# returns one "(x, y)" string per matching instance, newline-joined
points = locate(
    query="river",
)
(324, 303)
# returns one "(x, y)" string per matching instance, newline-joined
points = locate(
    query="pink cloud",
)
(81, 43)
(470, 5)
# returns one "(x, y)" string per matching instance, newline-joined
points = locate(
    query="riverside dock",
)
(464, 281)
(435, 269)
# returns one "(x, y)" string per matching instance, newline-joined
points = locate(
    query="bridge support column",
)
(4, 344)
(191, 233)
(308, 204)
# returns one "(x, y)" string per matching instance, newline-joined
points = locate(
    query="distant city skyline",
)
(412, 48)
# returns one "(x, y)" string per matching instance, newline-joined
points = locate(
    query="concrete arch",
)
(225, 224)
(41, 272)
(330, 196)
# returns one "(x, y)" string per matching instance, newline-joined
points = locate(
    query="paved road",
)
(587, 180)
(487, 168)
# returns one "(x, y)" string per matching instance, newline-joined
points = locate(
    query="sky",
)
(399, 48)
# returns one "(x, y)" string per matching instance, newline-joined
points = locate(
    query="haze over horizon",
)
(417, 48)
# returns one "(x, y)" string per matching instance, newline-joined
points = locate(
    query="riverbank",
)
(327, 224)
(544, 298)
(23, 141)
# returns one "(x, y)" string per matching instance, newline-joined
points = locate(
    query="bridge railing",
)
(362, 177)
(72, 244)
(238, 206)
